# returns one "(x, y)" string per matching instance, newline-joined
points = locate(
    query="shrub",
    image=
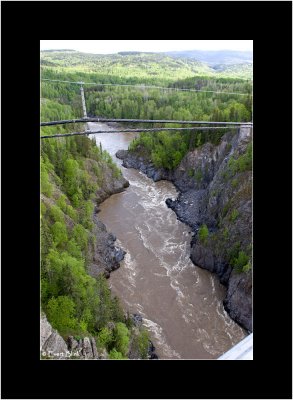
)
(234, 183)
(56, 214)
(243, 162)
(61, 202)
(71, 212)
(143, 343)
(240, 262)
(225, 233)
(234, 215)
(59, 233)
(203, 233)
(80, 236)
(116, 355)
(247, 267)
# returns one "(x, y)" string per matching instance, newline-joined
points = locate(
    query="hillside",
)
(77, 252)
(215, 57)
(134, 66)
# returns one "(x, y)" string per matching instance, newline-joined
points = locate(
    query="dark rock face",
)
(137, 319)
(151, 352)
(111, 186)
(105, 255)
(188, 207)
(238, 301)
(130, 160)
(210, 195)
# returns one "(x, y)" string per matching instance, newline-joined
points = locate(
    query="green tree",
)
(59, 233)
(80, 236)
(105, 337)
(121, 338)
(60, 313)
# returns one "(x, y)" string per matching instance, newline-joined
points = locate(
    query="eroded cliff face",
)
(215, 184)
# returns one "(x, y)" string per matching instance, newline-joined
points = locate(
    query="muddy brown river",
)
(181, 304)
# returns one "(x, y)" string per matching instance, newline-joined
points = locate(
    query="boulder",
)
(46, 330)
(87, 351)
(55, 346)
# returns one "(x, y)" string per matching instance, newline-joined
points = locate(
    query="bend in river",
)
(181, 304)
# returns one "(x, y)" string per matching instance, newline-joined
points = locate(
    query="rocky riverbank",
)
(104, 256)
(215, 183)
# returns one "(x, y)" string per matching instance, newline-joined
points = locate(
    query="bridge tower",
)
(83, 100)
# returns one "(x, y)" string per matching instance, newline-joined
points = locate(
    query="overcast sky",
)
(114, 46)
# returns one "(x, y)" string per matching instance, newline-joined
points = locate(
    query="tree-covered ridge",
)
(142, 65)
(149, 67)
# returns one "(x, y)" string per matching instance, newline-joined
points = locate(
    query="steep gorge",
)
(215, 184)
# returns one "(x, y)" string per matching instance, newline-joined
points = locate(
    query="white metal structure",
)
(242, 351)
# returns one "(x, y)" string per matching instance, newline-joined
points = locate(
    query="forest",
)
(75, 303)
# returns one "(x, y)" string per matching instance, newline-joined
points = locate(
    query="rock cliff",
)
(104, 256)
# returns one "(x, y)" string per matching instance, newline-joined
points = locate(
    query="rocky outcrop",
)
(134, 352)
(84, 348)
(131, 160)
(105, 255)
(238, 300)
(215, 193)
(111, 185)
(53, 346)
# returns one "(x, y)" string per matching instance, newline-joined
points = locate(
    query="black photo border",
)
(269, 25)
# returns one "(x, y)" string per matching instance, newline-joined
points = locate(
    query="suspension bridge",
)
(208, 125)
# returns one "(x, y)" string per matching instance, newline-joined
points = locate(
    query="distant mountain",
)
(60, 50)
(215, 57)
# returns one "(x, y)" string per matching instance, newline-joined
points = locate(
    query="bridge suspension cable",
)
(88, 132)
(153, 121)
(142, 86)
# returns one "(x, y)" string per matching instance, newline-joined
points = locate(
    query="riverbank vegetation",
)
(75, 303)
